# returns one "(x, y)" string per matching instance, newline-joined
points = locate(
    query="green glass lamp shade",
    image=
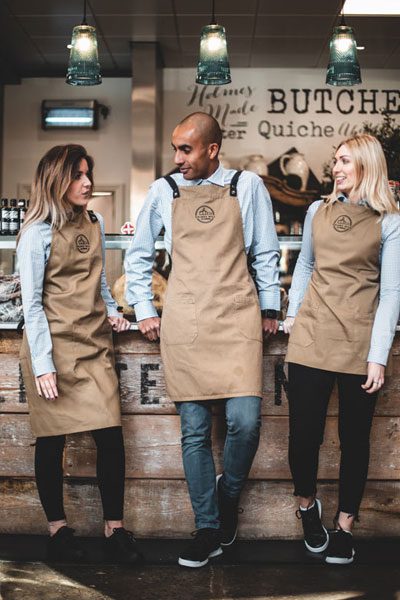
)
(343, 68)
(84, 67)
(213, 66)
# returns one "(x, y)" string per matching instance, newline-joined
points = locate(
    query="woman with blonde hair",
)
(343, 309)
(67, 354)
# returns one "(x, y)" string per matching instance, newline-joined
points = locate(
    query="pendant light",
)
(84, 67)
(343, 68)
(213, 66)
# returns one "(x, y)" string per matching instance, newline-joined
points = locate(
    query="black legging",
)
(110, 469)
(309, 393)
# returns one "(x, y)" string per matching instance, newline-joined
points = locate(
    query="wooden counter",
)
(157, 502)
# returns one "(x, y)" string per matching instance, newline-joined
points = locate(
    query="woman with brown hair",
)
(67, 353)
(343, 309)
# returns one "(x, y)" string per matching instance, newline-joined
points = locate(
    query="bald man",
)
(213, 318)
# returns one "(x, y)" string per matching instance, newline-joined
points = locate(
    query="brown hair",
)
(54, 174)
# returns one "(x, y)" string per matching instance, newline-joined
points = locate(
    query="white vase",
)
(256, 163)
(295, 164)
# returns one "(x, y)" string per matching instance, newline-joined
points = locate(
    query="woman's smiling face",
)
(344, 171)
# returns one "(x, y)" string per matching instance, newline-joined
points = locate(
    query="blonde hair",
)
(54, 174)
(371, 173)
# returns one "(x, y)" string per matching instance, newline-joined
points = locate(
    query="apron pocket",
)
(337, 324)
(303, 332)
(179, 321)
(248, 317)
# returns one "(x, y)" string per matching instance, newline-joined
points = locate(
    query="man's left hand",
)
(270, 326)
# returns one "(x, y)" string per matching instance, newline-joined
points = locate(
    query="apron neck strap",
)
(234, 182)
(173, 186)
(92, 216)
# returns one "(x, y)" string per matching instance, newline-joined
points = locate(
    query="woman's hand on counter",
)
(375, 378)
(288, 324)
(46, 386)
(119, 323)
(150, 328)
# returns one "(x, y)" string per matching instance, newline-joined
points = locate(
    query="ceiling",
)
(261, 33)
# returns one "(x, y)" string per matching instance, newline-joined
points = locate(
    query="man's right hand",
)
(150, 328)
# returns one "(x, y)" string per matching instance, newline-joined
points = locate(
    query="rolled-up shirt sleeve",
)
(387, 314)
(31, 253)
(140, 257)
(264, 249)
(111, 305)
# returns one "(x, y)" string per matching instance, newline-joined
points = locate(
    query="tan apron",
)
(332, 330)
(211, 331)
(81, 337)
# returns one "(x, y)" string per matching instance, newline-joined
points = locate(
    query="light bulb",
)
(213, 44)
(84, 43)
(343, 44)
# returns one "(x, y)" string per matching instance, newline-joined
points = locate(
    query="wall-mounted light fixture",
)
(343, 67)
(213, 66)
(84, 67)
(72, 114)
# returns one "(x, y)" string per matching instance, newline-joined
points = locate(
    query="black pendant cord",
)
(213, 22)
(342, 21)
(84, 13)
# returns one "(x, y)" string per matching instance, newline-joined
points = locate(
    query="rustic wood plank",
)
(10, 341)
(153, 448)
(143, 389)
(133, 342)
(162, 509)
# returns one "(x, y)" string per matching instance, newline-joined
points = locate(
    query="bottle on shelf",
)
(22, 211)
(14, 217)
(5, 217)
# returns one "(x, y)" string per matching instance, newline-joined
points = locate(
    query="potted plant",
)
(388, 133)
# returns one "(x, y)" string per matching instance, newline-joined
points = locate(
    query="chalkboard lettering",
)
(147, 385)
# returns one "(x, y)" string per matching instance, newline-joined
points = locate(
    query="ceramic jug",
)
(256, 163)
(294, 164)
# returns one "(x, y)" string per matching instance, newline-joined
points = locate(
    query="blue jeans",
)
(243, 419)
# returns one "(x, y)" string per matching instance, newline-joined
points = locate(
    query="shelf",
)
(10, 326)
(122, 242)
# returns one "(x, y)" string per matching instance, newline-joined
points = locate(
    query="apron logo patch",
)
(82, 243)
(205, 214)
(342, 223)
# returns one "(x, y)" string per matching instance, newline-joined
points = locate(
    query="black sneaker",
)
(121, 547)
(204, 545)
(229, 515)
(316, 538)
(340, 550)
(64, 546)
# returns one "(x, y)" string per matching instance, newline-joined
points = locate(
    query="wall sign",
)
(268, 111)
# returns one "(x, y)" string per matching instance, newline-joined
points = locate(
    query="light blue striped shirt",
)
(258, 228)
(33, 253)
(387, 313)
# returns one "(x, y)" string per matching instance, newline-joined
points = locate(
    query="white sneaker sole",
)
(320, 548)
(231, 541)
(335, 560)
(195, 564)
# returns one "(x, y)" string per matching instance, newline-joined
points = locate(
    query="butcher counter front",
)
(157, 501)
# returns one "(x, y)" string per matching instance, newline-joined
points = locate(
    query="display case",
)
(289, 245)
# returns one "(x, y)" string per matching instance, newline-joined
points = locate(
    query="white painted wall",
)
(25, 142)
